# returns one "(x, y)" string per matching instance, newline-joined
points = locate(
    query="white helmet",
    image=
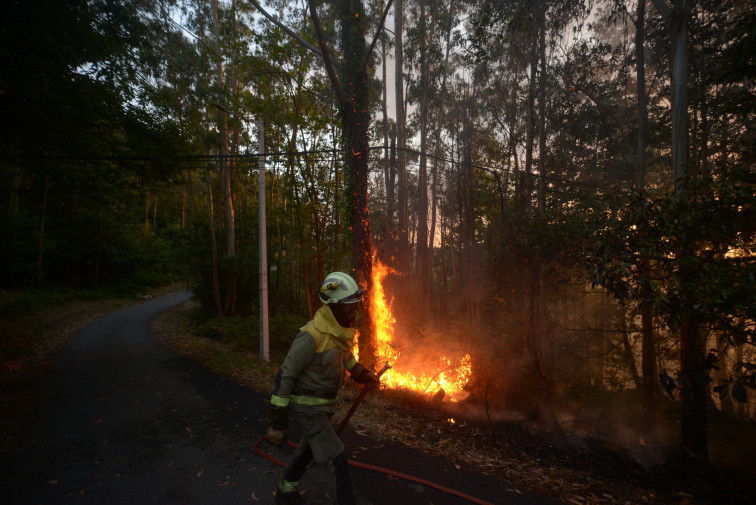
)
(339, 287)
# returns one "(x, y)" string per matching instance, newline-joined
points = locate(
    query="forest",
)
(556, 194)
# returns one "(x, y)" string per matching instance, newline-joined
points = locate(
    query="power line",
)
(493, 169)
(178, 25)
(253, 157)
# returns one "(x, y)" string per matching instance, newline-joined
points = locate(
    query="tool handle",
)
(357, 401)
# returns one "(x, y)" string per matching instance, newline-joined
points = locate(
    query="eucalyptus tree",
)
(353, 94)
(403, 251)
(293, 97)
(515, 46)
(668, 252)
(600, 75)
(427, 33)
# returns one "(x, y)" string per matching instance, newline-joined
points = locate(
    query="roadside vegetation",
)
(587, 467)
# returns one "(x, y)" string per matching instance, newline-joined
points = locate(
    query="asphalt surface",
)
(126, 421)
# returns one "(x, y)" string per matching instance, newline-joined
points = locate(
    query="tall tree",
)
(401, 139)
(353, 95)
(230, 304)
(648, 351)
(692, 349)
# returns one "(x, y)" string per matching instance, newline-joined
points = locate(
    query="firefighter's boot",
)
(344, 492)
(291, 498)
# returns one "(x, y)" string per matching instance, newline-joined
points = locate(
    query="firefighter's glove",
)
(279, 425)
(365, 376)
(279, 417)
(276, 437)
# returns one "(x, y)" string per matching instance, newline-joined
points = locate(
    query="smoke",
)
(548, 383)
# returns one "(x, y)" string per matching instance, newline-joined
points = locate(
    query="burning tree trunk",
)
(356, 121)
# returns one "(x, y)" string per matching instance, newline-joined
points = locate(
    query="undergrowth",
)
(515, 450)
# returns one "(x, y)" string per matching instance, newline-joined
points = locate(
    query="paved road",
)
(126, 421)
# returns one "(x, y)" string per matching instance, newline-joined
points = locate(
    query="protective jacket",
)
(315, 367)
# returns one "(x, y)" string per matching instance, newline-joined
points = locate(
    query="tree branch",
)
(377, 34)
(326, 54)
(285, 28)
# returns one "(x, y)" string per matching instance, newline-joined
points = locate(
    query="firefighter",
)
(307, 385)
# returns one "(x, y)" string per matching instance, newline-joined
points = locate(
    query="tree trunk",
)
(693, 421)
(679, 84)
(390, 192)
(230, 306)
(388, 241)
(337, 199)
(15, 190)
(403, 245)
(693, 390)
(356, 121)
(542, 107)
(627, 350)
(423, 270)
(524, 206)
(214, 247)
(467, 220)
(41, 244)
(648, 364)
(533, 343)
(294, 210)
(648, 346)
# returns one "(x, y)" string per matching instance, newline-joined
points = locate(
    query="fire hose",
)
(366, 466)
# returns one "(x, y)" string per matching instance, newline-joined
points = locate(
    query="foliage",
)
(78, 155)
(700, 245)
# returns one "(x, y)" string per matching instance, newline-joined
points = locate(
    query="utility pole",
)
(264, 338)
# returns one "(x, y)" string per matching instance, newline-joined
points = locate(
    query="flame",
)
(428, 376)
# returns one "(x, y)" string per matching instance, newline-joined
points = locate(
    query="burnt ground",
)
(114, 417)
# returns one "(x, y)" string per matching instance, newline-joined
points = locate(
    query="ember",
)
(439, 376)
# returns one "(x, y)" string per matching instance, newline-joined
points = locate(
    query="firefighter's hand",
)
(276, 437)
(370, 380)
(364, 376)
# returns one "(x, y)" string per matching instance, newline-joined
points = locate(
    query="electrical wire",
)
(386, 471)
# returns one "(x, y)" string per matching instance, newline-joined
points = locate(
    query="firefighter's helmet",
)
(339, 287)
